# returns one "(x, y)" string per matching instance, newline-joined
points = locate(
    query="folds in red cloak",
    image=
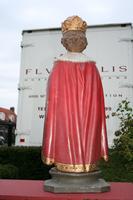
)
(75, 130)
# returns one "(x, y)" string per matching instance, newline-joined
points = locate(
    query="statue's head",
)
(74, 37)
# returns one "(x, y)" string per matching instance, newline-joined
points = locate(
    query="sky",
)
(18, 15)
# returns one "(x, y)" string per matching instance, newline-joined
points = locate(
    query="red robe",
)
(74, 130)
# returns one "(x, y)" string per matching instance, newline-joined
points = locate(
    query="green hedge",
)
(27, 160)
(26, 163)
(117, 169)
(8, 171)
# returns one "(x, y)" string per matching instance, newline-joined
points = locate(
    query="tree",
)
(123, 143)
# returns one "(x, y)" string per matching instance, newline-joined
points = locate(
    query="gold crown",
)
(74, 23)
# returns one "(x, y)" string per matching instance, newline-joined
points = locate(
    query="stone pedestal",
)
(63, 182)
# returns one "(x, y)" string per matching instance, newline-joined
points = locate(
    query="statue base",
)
(63, 182)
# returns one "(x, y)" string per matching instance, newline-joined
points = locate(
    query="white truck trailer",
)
(109, 45)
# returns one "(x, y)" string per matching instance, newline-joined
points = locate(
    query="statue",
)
(75, 137)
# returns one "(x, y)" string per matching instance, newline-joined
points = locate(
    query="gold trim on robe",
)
(76, 168)
(48, 161)
(70, 167)
(105, 158)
